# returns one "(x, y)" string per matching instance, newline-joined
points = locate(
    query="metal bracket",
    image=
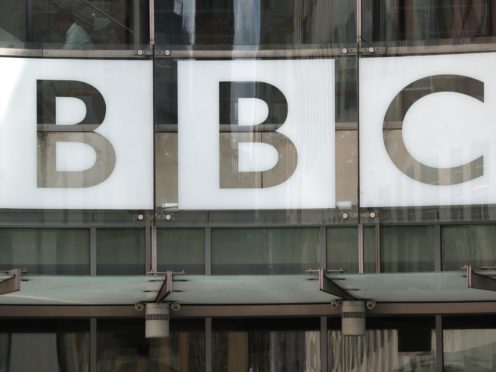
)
(12, 284)
(479, 281)
(328, 286)
(166, 287)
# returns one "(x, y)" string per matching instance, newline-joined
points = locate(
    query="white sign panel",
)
(256, 134)
(94, 146)
(428, 130)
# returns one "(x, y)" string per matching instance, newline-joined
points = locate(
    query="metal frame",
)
(478, 281)
(327, 285)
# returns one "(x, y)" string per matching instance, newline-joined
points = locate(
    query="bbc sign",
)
(252, 134)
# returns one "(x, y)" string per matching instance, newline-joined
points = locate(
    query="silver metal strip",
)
(254, 53)
(151, 21)
(323, 344)
(438, 248)
(323, 247)
(439, 344)
(93, 345)
(82, 54)
(340, 126)
(377, 243)
(202, 311)
(361, 251)
(208, 345)
(93, 253)
(208, 251)
(459, 47)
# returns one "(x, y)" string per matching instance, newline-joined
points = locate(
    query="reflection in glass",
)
(469, 344)
(120, 251)
(264, 251)
(468, 245)
(181, 250)
(74, 25)
(45, 251)
(266, 345)
(399, 345)
(407, 248)
(273, 24)
(44, 346)
(122, 346)
(423, 20)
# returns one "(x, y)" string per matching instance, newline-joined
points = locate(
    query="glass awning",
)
(247, 289)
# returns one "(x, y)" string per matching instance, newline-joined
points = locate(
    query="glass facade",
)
(239, 138)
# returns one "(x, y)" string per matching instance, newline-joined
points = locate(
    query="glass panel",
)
(407, 248)
(468, 245)
(45, 251)
(181, 249)
(253, 173)
(122, 346)
(120, 251)
(264, 251)
(392, 344)
(342, 248)
(442, 21)
(44, 345)
(229, 23)
(469, 344)
(74, 25)
(266, 345)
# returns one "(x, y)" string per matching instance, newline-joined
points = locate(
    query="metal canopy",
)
(253, 289)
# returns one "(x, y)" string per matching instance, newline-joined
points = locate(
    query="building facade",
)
(252, 165)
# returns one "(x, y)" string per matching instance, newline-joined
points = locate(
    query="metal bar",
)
(323, 247)
(361, 250)
(254, 53)
(478, 281)
(328, 286)
(29, 20)
(12, 284)
(438, 263)
(93, 345)
(358, 22)
(100, 54)
(165, 288)
(458, 47)
(377, 244)
(93, 252)
(323, 344)
(208, 251)
(208, 344)
(341, 126)
(202, 311)
(439, 344)
(151, 20)
(137, 23)
(153, 248)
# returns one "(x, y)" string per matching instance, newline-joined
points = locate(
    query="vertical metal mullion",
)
(208, 344)
(208, 251)
(151, 4)
(29, 20)
(151, 232)
(93, 345)
(93, 251)
(361, 252)
(323, 344)
(137, 23)
(438, 259)
(377, 244)
(323, 247)
(439, 344)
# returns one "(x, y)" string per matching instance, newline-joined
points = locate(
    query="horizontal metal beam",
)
(328, 286)
(233, 311)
